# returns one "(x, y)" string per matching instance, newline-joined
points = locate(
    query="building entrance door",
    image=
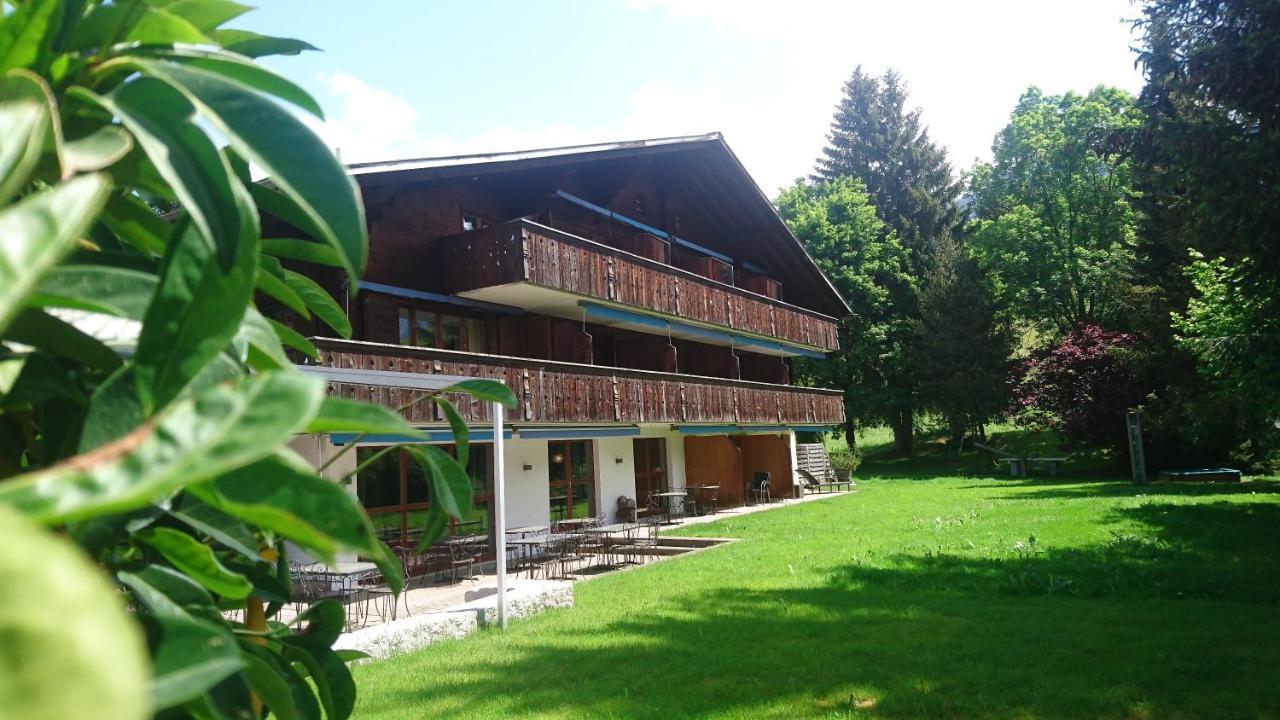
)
(651, 468)
(572, 479)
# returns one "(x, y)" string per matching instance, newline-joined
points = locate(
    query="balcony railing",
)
(558, 392)
(524, 251)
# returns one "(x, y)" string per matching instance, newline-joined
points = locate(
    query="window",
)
(427, 328)
(470, 222)
(395, 492)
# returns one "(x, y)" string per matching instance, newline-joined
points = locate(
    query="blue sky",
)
(412, 78)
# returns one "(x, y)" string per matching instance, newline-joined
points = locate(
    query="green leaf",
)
(304, 250)
(137, 225)
(241, 70)
(461, 431)
(190, 656)
(217, 525)
(224, 427)
(114, 410)
(37, 231)
(58, 337)
(321, 624)
(195, 313)
(25, 33)
(450, 485)
(342, 415)
(24, 120)
(352, 655)
(297, 656)
(294, 339)
(266, 677)
(206, 15)
(283, 494)
(160, 119)
(320, 302)
(97, 150)
(133, 21)
(72, 649)
(271, 281)
(297, 161)
(433, 527)
(167, 592)
(253, 45)
(104, 289)
(264, 345)
(196, 560)
(341, 685)
(23, 84)
(491, 390)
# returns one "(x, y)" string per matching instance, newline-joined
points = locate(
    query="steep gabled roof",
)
(732, 174)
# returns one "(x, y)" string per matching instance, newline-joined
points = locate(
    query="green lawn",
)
(962, 595)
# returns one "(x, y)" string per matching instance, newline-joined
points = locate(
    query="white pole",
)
(500, 514)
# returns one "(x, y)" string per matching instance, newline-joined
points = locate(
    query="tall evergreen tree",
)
(962, 342)
(875, 138)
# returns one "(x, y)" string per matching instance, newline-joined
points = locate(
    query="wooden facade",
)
(559, 392)
(521, 251)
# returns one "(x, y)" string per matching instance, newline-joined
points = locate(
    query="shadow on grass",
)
(1116, 630)
(1075, 488)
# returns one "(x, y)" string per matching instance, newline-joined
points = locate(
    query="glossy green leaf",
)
(161, 120)
(196, 560)
(341, 685)
(271, 281)
(22, 84)
(100, 149)
(320, 302)
(37, 231)
(206, 15)
(58, 614)
(137, 225)
(342, 415)
(490, 390)
(315, 672)
(450, 484)
(321, 625)
(241, 70)
(283, 494)
(304, 250)
(23, 123)
(461, 431)
(104, 289)
(264, 345)
(114, 410)
(190, 656)
(165, 591)
(292, 338)
(133, 21)
(224, 427)
(58, 337)
(196, 311)
(251, 44)
(216, 524)
(266, 679)
(433, 527)
(297, 162)
(25, 33)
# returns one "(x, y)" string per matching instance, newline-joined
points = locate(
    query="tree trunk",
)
(850, 435)
(957, 438)
(903, 432)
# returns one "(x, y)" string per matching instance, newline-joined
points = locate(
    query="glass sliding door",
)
(572, 479)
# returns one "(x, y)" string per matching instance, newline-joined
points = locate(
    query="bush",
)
(845, 458)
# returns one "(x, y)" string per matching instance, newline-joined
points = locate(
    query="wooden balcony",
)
(522, 251)
(557, 392)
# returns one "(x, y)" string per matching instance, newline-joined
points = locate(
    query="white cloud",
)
(965, 63)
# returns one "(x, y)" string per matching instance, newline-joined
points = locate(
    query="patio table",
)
(667, 498)
(698, 494)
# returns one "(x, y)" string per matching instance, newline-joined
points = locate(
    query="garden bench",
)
(812, 483)
(1054, 464)
(1017, 465)
(1202, 475)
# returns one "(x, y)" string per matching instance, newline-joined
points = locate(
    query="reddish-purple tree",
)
(1081, 386)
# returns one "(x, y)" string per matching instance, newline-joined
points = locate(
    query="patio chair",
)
(760, 486)
(378, 589)
(461, 556)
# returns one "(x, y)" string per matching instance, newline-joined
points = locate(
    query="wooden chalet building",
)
(642, 299)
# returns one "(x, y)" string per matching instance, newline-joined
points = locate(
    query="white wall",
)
(528, 496)
(614, 478)
(317, 450)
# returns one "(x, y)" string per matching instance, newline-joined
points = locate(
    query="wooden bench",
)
(812, 483)
(1202, 475)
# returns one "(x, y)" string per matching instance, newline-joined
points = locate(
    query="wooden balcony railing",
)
(558, 392)
(524, 251)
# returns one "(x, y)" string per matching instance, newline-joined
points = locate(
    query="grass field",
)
(938, 589)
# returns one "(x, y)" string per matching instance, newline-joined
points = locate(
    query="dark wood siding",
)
(521, 251)
(554, 392)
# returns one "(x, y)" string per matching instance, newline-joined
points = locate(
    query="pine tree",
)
(876, 139)
(908, 179)
(962, 342)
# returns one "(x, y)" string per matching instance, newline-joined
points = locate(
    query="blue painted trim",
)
(433, 437)
(584, 433)
(641, 226)
(814, 428)
(764, 428)
(707, 429)
(604, 312)
(438, 298)
(698, 248)
(702, 332)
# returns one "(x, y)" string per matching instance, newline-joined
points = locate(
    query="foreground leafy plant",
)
(145, 403)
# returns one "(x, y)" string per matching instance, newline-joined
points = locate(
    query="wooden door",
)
(572, 479)
(651, 468)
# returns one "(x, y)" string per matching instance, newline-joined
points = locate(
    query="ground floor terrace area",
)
(936, 590)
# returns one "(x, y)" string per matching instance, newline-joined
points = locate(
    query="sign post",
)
(1136, 461)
